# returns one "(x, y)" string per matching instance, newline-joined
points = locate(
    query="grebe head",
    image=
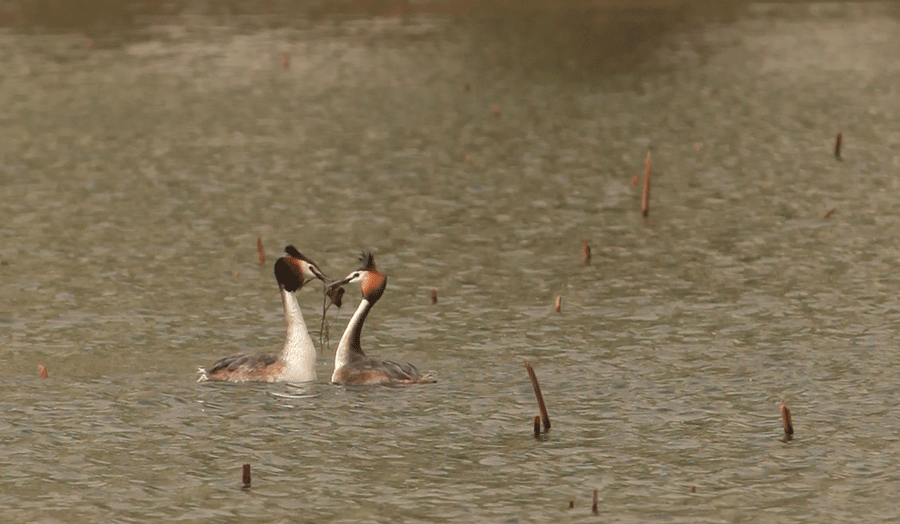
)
(294, 270)
(372, 282)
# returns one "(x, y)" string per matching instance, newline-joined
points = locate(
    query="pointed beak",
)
(339, 283)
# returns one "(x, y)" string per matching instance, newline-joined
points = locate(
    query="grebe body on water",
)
(351, 365)
(297, 360)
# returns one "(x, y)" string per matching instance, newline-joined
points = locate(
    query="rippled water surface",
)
(472, 151)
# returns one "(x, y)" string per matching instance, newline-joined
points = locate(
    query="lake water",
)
(472, 150)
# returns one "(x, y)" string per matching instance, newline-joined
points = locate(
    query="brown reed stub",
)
(830, 212)
(594, 502)
(260, 253)
(537, 394)
(495, 110)
(558, 306)
(246, 476)
(837, 146)
(586, 252)
(645, 193)
(537, 426)
(693, 489)
(42, 371)
(634, 180)
(787, 422)
(571, 504)
(433, 296)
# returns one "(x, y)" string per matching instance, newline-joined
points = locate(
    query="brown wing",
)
(370, 371)
(242, 362)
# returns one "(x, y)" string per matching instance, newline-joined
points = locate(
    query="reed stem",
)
(540, 398)
(246, 476)
(787, 422)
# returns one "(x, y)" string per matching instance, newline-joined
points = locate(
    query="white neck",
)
(299, 353)
(349, 349)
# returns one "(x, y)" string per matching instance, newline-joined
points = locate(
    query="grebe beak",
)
(339, 283)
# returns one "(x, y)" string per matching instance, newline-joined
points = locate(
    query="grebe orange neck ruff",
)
(297, 360)
(351, 364)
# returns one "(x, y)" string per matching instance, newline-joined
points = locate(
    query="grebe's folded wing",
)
(242, 361)
(403, 371)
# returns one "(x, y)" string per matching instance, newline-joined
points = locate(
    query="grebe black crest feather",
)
(291, 250)
(367, 261)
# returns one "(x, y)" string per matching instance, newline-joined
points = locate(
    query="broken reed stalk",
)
(645, 194)
(586, 251)
(571, 504)
(787, 422)
(837, 147)
(540, 398)
(42, 371)
(537, 426)
(594, 502)
(830, 212)
(259, 251)
(246, 476)
(433, 296)
(558, 306)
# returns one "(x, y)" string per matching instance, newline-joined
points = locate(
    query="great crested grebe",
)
(351, 365)
(297, 360)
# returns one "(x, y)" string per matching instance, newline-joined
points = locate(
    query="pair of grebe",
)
(297, 360)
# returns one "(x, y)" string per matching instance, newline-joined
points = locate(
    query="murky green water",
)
(138, 166)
